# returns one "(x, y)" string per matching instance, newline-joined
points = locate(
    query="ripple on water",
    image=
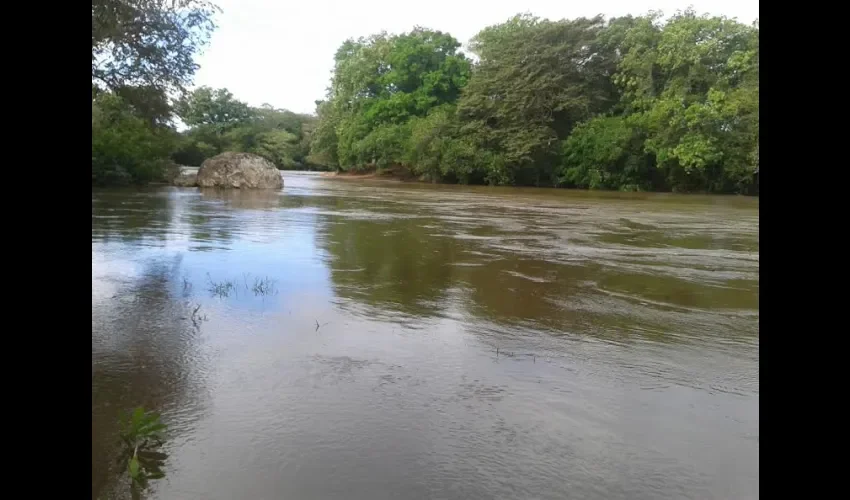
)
(431, 341)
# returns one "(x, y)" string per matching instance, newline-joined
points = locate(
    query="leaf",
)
(152, 455)
(152, 428)
(134, 468)
(138, 415)
(151, 417)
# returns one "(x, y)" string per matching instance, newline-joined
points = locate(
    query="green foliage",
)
(142, 436)
(380, 84)
(142, 51)
(148, 43)
(324, 143)
(693, 84)
(215, 109)
(607, 153)
(125, 148)
(279, 146)
(221, 123)
(633, 103)
(535, 81)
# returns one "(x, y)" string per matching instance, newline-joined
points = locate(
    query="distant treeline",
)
(631, 103)
(142, 62)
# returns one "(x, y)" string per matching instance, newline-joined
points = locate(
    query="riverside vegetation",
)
(631, 103)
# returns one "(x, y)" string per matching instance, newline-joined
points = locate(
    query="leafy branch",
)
(142, 436)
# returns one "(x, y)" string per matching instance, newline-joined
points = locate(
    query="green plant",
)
(264, 286)
(142, 437)
(221, 289)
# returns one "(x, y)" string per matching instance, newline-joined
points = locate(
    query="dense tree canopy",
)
(142, 52)
(219, 122)
(125, 148)
(630, 103)
(536, 79)
(142, 59)
(634, 103)
(148, 43)
(380, 84)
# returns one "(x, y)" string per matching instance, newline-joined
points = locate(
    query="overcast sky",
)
(281, 52)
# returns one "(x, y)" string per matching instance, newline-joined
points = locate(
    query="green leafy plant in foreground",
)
(142, 437)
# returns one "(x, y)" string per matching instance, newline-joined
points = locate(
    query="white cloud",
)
(282, 52)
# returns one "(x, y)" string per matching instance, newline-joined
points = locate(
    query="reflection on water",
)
(626, 327)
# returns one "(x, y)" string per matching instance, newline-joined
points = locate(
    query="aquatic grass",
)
(264, 286)
(259, 287)
(142, 435)
(221, 289)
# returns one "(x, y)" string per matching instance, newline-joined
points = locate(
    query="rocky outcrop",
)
(186, 177)
(239, 170)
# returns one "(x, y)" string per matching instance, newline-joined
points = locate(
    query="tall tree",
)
(380, 83)
(220, 122)
(693, 84)
(214, 108)
(149, 43)
(535, 80)
(142, 55)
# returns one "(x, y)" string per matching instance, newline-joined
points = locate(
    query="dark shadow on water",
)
(125, 215)
(144, 353)
(423, 267)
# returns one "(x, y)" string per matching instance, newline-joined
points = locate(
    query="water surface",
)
(429, 341)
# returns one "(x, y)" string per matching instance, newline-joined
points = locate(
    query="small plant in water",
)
(196, 317)
(142, 436)
(264, 286)
(221, 289)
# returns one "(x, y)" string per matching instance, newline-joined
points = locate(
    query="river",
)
(371, 340)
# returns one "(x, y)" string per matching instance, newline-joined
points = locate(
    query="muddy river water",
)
(371, 340)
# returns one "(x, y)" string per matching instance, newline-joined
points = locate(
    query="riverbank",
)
(400, 174)
(395, 174)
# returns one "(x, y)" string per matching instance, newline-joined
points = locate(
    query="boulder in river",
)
(186, 177)
(239, 170)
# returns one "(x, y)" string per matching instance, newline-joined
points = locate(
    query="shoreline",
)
(389, 175)
(401, 175)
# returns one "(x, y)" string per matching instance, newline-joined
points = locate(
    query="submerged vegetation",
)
(629, 103)
(227, 287)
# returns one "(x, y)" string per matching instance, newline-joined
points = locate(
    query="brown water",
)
(626, 328)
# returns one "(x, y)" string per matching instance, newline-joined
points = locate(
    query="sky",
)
(281, 52)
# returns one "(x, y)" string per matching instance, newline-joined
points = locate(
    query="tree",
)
(380, 83)
(142, 53)
(324, 143)
(213, 108)
(634, 103)
(607, 152)
(692, 83)
(148, 43)
(220, 122)
(536, 79)
(125, 148)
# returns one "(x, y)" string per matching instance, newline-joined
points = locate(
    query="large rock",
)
(239, 170)
(186, 177)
